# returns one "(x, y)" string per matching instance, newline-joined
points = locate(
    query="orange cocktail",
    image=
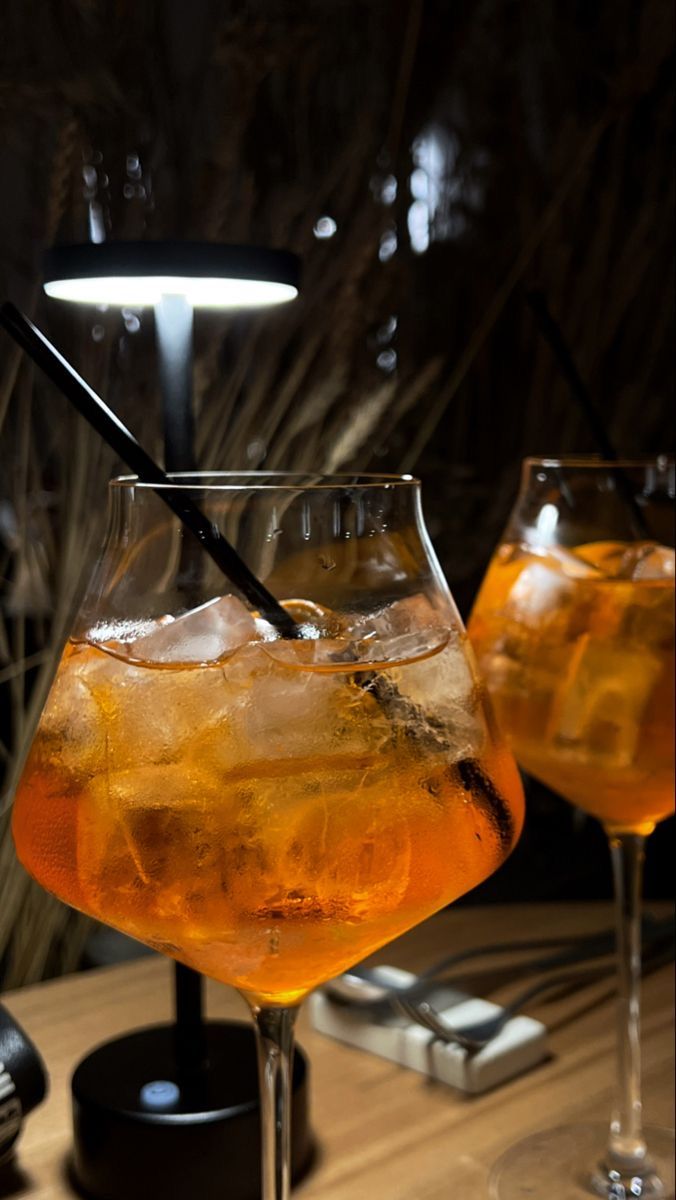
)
(574, 631)
(266, 788)
(577, 646)
(266, 818)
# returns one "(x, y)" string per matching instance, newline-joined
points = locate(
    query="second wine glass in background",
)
(574, 632)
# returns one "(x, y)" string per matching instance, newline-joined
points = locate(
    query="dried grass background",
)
(251, 121)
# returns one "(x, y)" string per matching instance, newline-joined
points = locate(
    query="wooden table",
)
(384, 1133)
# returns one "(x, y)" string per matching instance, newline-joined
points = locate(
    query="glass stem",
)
(275, 1040)
(626, 1147)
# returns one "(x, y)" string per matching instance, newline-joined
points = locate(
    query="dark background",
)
(461, 154)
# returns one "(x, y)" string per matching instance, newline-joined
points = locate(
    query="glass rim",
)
(661, 461)
(294, 481)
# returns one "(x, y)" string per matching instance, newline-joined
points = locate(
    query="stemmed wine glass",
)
(267, 808)
(574, 632)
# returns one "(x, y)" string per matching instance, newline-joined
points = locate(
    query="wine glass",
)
(574, 632)
(267, 809)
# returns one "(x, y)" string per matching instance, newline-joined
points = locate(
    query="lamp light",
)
(173, 278)
(140, 274)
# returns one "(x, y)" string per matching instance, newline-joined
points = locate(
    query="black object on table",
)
(139, 1132)
(23, 1082)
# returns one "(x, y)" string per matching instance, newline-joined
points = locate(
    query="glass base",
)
(569, 1163)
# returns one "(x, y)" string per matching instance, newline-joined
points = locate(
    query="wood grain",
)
(384, 1133)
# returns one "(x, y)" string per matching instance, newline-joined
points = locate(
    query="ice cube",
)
(326, 654)
(148, 713)
(368, 826)
(599, 705)
(573, 564)
(409, 615)
(71, 730)
(205, 635)
(540, 590)
(403, 631)
(442, 692)
(149, 827)
(293, 712)
(322, 842)
(628, 565)
(606, 556)
(648, 615)
(630, 560)
(656, 563)
(554, 600)
(551, 597)
(273, 710)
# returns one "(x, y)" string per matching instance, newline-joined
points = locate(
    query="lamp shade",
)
(139, 274)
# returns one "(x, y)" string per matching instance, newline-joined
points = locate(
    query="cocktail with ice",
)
(266, 809)
(574, 632)
(577, 647)
(257, 814)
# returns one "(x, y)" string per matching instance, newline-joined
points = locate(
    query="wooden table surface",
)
(384, 1133)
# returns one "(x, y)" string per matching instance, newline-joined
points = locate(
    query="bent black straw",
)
(122, 441)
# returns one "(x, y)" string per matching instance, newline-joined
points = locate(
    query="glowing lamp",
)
(173, 278)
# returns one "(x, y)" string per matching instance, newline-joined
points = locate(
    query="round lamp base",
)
(139, 1130)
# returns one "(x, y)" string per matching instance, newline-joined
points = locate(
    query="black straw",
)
(552, 334)
(122, 441)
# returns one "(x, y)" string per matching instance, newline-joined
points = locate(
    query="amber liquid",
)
(267, 825)
(580, 666)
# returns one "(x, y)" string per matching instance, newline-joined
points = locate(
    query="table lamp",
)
(156, 1102)
(173, 278)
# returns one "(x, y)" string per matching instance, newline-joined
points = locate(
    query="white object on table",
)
(520, 1045)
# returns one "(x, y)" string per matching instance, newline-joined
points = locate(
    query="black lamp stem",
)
(174, 332)
(190, 1039)
(173, 326)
